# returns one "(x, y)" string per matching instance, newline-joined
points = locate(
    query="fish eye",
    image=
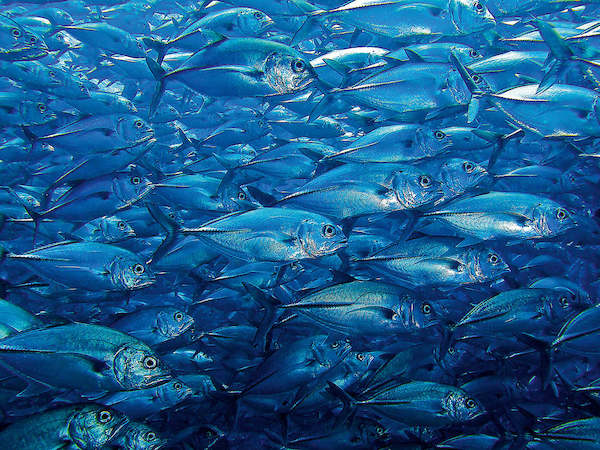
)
(474, 53)
(425, 181)
(336, 344)
(479, 7)
(150, 436)
(379, 430)
(395, 316)
(561, 214)
(451, 350)
(476, 78)
(150, 362)
(136, 180)
(177, 385)
(104, 416)
(468, 167)
(178, 316)
(298, 65)
(564, 302)
(32, 39)
(139, 269)
(426, 308)
(470, 403)
(139, 124)
(439, 135)
(493, 258)
(15, 32)
(258, 14)
(121, 225)
(41, 108)
(360, 357)
(171, 215)
(328, 231)
(241, 195)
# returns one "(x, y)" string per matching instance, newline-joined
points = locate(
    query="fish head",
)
(578, 178)
(240, 154)
(172, 322)
(136, 367)
(287, 73)
(432, 141)
(486, 264)
(129, 188)
(461, 407)
(136, 48)
(466, 55)
(94, 426)
(458, 355)
(551, 219)
(329, 352)
(114, 229)
(320, 237)
(236, 198)
(166, 113)
(252, 22)
(18, 43)
(471, 16)
(133, 129)
(371, 431)
(36, 112)
(359, 362)
(560, 304)
(139, 436)
(459, 175)
(411, 314)
(130, 273)
(414, 188)
(174, 391)
(47, 75)
(72, 87)
(80, 88)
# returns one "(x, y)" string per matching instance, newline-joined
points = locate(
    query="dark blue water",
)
(299, 224)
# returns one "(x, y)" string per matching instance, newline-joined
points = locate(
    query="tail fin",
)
(545, 351)
(271, 305)
(348, 402)
(158, 45)
(35, 216)
(500, 142)
(159, 74)
(169, 225)
(560, 54)
(475, 83)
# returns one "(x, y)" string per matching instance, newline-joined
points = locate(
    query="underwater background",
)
(299, 224)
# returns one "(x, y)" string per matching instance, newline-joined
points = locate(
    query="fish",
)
(299, 224)
(121, 362)
(85, 426)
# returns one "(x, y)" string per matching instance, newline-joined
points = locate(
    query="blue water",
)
(299, 224)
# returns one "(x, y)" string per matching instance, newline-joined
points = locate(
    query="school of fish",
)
(300, 224)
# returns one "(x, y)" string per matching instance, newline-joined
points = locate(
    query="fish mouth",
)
(118, 427)
(155, 380)
(30, 52)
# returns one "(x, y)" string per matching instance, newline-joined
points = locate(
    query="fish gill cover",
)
(299, 224)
